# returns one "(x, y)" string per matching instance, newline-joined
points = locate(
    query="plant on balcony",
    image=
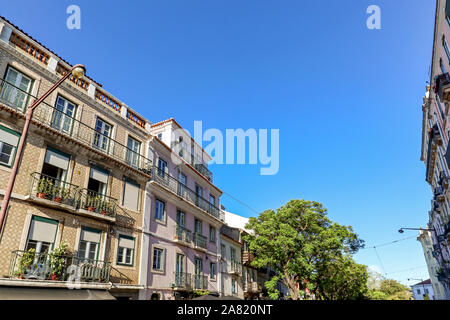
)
(25, 261)
(92, 202)
(198, 293)
(61, 193)
(58, 261)
(45, 186)
(105, 206)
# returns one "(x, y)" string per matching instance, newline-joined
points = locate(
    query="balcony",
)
(172, 184)
(247, 257)
(59, 194)
(182, 234)
(200, 282)
(442, 87)
(199, 241)
(182, 281)
(63, 124)
(44, 266)
(252, 287)
(98, 203)
(189, 158)
(444, 180)
(439, 194)
(235, 268)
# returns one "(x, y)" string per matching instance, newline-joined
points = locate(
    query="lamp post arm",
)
(19, 152)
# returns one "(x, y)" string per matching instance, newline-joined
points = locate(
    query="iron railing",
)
(183, 234)
(67, 125)
(49, 188)
(45, 266)
(164, 179)
(182, 280)
(200, 282)
(200, 240)
(95, 202)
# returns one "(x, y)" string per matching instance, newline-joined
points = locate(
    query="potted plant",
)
(60, 194)
(25, 261)
(105, 207)
(91, 202)
(42, 188)
(58, 262)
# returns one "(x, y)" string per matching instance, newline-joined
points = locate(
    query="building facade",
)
(183, 218)
(81, 182)
(423, 291)
(435, 136)
(426, 240)
(231, 273)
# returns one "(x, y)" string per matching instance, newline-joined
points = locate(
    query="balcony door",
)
(133, 149)
(98, 180)
(42, 235)
(102, 135)
(179, 267)
(15, 91)
(182, 183)
(89, 245)
(181, 219)
(198, 227)
(198, 270)
(56, 164)
(63, 115)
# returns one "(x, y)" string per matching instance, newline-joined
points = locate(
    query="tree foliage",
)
(388, 289)
(307, 251)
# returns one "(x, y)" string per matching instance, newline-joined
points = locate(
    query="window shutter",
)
(126, 242)
(90, 235)
(99, 174)
(9, 138)
(131, 195)
(57, 159)
(42, 230)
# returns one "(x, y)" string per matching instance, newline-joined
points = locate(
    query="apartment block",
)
(231, 272)
(81, 181)
(435, 137)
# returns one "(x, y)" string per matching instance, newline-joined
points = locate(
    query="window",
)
(212, 270)
(16, 89)
(418, 291)
(158, 259)
(102, 135)
(181, 218)
(98, 180)
(223, 251)
(159, 210)
(212, 234)
(42, 234)
(232, 254)
(56, 164)
(198, 226)
(133, 149)
(212, 200)
(9, 140)
(159, 136)
(446, 48)
(125, 252)
(182, 183)
(233, 286)
(131, 192)
(63, 115)
(89, 243)
(162, 165)
(199, 193)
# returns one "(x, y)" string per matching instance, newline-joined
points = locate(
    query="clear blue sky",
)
(347, 100)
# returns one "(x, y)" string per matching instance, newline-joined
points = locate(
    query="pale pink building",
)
(182, 217)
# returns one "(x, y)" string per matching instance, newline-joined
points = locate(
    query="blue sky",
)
(347, 100)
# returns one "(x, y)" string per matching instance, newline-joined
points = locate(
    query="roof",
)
(39, 43)
(422, 283)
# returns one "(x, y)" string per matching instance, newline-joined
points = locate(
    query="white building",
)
(422, 289)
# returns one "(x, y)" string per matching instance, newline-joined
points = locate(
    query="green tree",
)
(301, 244)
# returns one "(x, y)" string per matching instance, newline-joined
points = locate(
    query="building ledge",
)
(52, 284)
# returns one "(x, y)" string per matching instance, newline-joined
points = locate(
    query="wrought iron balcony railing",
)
(200, 282)
(182, 280)
(49, 188)
(66, 124)
(164, 179)
(98, 203)
(200, 240)
(183, 234)
(44, 266)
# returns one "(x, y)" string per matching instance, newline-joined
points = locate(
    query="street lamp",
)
(401, 230)
(78, 72)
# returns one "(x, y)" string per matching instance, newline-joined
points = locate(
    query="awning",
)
(21, 293)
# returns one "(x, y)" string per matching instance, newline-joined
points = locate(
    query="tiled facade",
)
(435, 137)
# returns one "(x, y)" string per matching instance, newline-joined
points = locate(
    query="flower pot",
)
(58, 199)
(54, 277)
(92, 209)
(41, 195)
(103, 212)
